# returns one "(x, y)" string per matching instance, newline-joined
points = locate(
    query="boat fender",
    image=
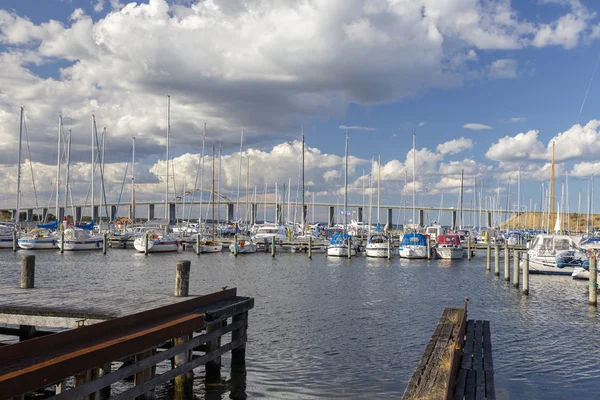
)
(242, 243)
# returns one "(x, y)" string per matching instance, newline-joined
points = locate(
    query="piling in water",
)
(62, 241)
(468, 249)
(14, 239)
(146, 244)
(516, 269)
(182, 278)
(235, 245)
(198, 244)
(497, 260)
(526, 274)
(27, 272)
(104, 242)
(273, 247)
(309, 247)
(428, 248)
(488, 263)
(389, 248)
(506, 263)
(182, 383)
(593, 284)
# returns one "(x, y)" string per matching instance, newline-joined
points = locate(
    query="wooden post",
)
(82, 378)
(238, 355)
(146, 244)
(593, 284)
(14, 239)
(389, 248)
(273, 246)
(145, 375)
(526, 274)
(488, 263)
(516, 268)
(62, 242)
(198, 244)
(104, 241)
(183, 383)
(235, 245)
(182, 278)
(428, 248)
(310, 247)
(213, 368)
(468, 249)
(27, 272)
(105, 369)
(506, 263)
(497, 260)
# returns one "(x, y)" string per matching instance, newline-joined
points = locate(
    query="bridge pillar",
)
(359, 214)
(453, 220)
(279, 215)
(331, 215)
(61, 213)
(390, 219)
(29, 215)
(95, 214)
(77, 216)
(113, 213)
(172, 214)
(489, 219)
(253, 212)
(44, 214)
(230, 212)
(421, 218)
(150, 212)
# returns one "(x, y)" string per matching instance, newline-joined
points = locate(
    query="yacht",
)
(555, 255)
(340, 244)
(158, 242)
(448, 247)
(244, 246)
(268, 232)
(434, 231)
(79, 239)
(377, 245)
(39, 239)
(6, 237)
(413, 245)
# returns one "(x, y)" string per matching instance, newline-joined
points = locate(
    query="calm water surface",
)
(338, 328)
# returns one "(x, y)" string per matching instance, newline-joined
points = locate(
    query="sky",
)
(486, 86)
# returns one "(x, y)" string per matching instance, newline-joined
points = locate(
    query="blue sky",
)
(271, 67)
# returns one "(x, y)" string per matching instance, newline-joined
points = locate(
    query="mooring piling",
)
(526, 274)
(198, 244)
(62, 242)
(516, 268)
(146, 244)
(309, 247)
(14, 239)
(497, 260)
(104, 242)
(182, 278)
(389, 248)
(428, 248)
(273, 246)
(506, 263)
(593, 281)
(468, 249)
(27, 272)
(488, 264)
(235, 245)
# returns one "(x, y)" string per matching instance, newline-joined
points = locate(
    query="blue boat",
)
(413, 245)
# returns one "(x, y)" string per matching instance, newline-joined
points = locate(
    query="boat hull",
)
(247, 248)
(210, 248)
(413, 252)
(156, 245)
(376, 250)
(6, 243)
(450, 253)
(79, 245)
(547, 266)
(39, 244)
(340, 251)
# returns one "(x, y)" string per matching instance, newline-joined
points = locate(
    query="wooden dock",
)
(457, 362)
(180, 331)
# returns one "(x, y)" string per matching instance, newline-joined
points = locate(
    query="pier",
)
(139, 332)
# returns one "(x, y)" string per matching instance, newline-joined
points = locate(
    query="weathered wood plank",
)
(461, 382)
(470, 387)
(490, 389)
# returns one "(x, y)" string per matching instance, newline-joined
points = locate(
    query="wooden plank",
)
(430, 377)
(478, 347)
(230, 310)
(480, 385)
(461, 382)
(467, 362)
(488, 363)
(490, 389)
(470, 386)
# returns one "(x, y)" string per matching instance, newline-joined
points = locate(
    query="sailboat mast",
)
(413, 185)
(213, 193)
(219, 186)
(167, 159)
(60, 127)
(102, 193)
(68, 176)
(93, 164)
(552, 187)
(346, 184)
(237, 206)
(303, 201)
(19, 166)
(519, 200)
(378, 185)
(133, 179)
(462, 175)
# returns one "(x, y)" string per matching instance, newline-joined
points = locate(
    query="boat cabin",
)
(414, 239)
(449, 240)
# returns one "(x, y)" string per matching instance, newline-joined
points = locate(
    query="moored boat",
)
(555, 255)
(340, 245)
(79, 239)
(449, 248)
(243, 246)
(413, 246)
(38, 239)
(377, 245)
(158, 242)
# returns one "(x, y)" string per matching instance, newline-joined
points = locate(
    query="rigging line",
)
(123, 184)
(588, 88)
(30, 163)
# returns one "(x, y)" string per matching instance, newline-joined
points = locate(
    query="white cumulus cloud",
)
(476, 126)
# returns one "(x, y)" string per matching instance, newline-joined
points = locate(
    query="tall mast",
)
(103, 194)
(413, 185)
(519, 200)
(247, 183)
(19, 166)
(237, 206)
(303, 201)
(379, 186)
(167, 158)
(213, 194)
(346, 185)
(67, 176)
(60, 127)
(462, 175)
(552, 189)
(202, 173)
(93, 163)
(133, 179)
(219, 186)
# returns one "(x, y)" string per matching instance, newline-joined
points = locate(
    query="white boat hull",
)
(340, 251)
(76, 245)
(450, 253)
(413, 252)
(376, 250)
(247, 248)
(39, 244)
(155, 245)
(210, 248)
(547, 266)
(6, 243)
(580, 273)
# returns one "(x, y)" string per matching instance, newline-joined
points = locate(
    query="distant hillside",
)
(533, 220)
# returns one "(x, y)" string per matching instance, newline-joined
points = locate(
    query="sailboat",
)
(244, 244)
(6, 233)
(378, 243)
(82, 238)
(211, 246)
(341, 243)
(413, 245)
(159, 241)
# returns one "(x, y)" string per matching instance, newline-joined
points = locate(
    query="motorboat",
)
(340, 245)
(555, 255)
(268, 232)
(209, 246)
(79, 239)
(377, 245)
(158, 242)
(433, 231)
(448, 247)
(243, 246)
(413, 245)
(6, 237)
(38, 239)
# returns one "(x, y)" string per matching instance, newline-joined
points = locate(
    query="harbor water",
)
(339, 328)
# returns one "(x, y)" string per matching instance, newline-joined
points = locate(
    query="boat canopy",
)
(341, 238)
(378, 238)
(449, 239)
(414, 239)
(88, 227)
(546, 243)
(51, 226)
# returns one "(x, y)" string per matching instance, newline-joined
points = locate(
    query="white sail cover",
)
(557, 225)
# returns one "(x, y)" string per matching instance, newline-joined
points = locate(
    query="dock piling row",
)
(516, 268)
(593, 284)
(506, 263)
(526, 275)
